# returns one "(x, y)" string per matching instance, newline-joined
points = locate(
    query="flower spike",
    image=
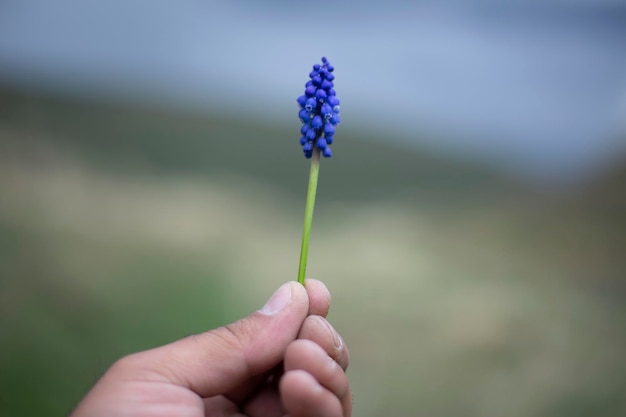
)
(318, 106)
(319, 114)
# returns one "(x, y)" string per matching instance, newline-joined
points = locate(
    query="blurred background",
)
(471, 225)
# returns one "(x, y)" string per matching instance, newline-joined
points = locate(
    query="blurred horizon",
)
(536, 88)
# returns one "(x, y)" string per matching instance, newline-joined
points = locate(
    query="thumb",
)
(219, 360)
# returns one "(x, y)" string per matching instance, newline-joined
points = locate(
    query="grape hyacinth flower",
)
(319, 114)
(319, 111)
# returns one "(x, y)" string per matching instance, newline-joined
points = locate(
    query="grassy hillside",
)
(205, 144)
(458, 291)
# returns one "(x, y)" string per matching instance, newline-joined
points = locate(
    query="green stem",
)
(308, 213)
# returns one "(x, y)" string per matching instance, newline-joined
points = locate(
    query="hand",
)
(284, 359)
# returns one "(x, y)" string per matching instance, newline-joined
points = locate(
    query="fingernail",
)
(278, 301)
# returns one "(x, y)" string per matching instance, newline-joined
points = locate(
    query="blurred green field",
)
(459, 290)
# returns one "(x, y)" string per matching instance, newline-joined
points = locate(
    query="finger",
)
(319, 303)
(319, 297)
(320, 331)
(215, 362)
(303, 396)
(308, 356)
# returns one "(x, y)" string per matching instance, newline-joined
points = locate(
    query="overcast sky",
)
(539, 86)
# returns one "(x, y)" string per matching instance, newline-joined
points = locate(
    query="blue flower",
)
(319, 111)
(317, 123)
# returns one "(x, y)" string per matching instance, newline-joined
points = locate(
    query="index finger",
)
(319, 297)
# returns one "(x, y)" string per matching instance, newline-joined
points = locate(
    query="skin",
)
(283, 360)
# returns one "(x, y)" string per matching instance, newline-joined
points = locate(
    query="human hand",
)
(284, 359)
